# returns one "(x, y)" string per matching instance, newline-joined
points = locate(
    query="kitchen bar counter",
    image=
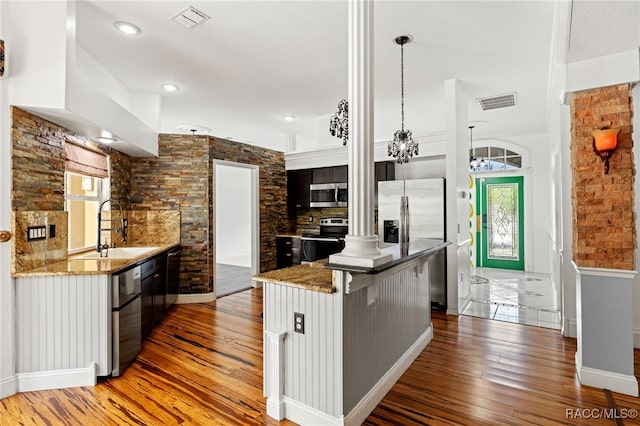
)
(417, 248)
(311, 276)
(75, 266)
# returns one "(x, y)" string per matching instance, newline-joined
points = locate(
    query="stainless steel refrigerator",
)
(426, 219)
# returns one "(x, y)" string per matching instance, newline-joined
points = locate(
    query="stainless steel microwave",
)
(328, 195)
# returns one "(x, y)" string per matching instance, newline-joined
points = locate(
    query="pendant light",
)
(403, 147)
(339, 122)
(475, 163)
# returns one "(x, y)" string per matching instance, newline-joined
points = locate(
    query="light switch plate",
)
(35, 233)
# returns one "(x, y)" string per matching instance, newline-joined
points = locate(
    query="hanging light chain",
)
(402, 85)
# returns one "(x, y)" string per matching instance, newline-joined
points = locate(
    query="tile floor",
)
(231, 279)
(513, 296)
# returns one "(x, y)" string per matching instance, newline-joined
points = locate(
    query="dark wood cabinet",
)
(298, 182)
(336, 174)
(153, 274)
(287, 251)
(384, 170)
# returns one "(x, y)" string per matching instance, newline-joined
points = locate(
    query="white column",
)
(457, 200)
(274, 373)
(361, 245)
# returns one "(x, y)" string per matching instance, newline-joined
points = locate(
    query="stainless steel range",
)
(329, 240)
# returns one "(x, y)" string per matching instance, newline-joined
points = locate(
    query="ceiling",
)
(254, 62)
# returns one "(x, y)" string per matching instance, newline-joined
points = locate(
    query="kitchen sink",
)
(119, 253)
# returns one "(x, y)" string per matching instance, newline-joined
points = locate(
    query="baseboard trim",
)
(57, 379)
(621, 383)
(8, 387)
(196, 298)
(305, 415)
(569, 327)
(370, 401)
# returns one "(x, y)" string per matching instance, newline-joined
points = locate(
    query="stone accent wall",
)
(604, 231)
(120, 174)
(272, 189)
(178, 179)
(38, 158)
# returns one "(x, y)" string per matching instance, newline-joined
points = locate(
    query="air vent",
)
(190, 17)
(495, 102)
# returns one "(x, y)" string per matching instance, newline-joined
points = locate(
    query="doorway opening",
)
(500, 289)
(236, 217)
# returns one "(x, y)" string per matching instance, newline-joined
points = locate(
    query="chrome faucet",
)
(122, 229)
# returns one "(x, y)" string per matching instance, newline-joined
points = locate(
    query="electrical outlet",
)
(310, 218)
(52, 231)
(298, 322)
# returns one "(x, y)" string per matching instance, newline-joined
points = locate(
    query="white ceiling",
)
(255, 61)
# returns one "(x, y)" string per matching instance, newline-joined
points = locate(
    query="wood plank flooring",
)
(202, 365)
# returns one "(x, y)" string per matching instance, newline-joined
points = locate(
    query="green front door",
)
(501, 233)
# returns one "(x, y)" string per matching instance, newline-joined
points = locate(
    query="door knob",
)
(5, 236)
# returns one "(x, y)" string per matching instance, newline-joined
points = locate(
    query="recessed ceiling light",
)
(127, 28)
(170, 87)
(105, 139)
(289, 117)
(194, 129)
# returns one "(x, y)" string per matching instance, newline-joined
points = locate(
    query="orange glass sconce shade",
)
(605, 142)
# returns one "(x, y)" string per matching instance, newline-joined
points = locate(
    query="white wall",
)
(8, 384)
(233, 215)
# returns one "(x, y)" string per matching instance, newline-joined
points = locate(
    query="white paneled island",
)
(337, 338)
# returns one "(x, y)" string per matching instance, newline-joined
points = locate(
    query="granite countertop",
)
(312, 276)
(75, 266)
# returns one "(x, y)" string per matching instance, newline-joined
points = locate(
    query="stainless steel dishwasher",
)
(126, 315)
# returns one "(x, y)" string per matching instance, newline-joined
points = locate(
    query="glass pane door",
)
(502, 222)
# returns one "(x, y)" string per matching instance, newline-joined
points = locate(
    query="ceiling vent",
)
(500, 101)
(190, 17)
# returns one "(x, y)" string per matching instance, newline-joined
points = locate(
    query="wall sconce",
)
(605, 142)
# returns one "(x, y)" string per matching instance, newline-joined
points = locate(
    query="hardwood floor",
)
(231, 279)
(202, 365)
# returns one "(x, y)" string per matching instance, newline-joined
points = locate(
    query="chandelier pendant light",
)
(339, 122)
(475, 163)
(403, 147)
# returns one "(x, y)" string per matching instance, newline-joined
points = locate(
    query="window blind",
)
(85, 161)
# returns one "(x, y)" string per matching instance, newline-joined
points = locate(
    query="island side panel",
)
(312, 371)
(378, 333)
(63, 323)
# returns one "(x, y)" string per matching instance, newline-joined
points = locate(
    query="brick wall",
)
(272, 190)
(178, 179)
(604, 231)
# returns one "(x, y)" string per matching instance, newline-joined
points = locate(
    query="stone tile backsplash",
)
(28, 255)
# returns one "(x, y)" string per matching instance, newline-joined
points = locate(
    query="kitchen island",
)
(336, 343)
